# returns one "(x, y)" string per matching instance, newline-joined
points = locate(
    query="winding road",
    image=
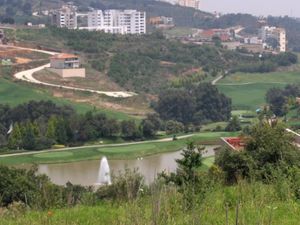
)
(27, 76)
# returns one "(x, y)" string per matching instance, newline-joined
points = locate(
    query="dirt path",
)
(27, 76)
(96, 146)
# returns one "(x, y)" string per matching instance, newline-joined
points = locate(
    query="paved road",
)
(214, 82)
(27, 76)
(248, 83)
(95, 146)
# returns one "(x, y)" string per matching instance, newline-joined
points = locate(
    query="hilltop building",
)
(66, 65)
(65, 17)
(162, 22)
(190, 3)
(279, 34)
(117, 21)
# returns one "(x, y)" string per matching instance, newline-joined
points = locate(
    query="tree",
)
(234, 124)
(176, 104)
(191, 161)
(29, 139)
(277, 100)
(61, 132)
(195, 104)
(51, 128)
(148, 128)
(188, 166)
(129, 129)
(173, 127)
(15, 138)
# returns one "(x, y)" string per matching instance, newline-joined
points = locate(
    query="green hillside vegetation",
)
(148, 63)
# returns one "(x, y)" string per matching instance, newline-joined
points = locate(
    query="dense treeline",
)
(40, 125)
(196, 104)
(267, 63)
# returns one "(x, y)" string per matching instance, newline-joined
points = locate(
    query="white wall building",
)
(277, 33)
(117, 21)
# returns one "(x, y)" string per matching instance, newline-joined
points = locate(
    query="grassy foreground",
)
(14, 94)
(114, 152)
(258, 204)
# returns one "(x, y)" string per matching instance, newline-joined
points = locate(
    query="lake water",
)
(86, 172)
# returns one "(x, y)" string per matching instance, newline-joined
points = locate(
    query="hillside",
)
(145, 64)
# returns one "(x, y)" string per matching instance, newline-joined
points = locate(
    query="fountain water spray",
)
(104, 173)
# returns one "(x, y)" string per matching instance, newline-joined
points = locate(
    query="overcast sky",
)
(256, 7)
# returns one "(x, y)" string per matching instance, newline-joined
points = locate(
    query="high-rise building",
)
(65, 17)
(190, 3)
(117, 21)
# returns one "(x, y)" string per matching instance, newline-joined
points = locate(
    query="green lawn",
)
(249, 97)
(274, 77)
(116, 152)
(16, 93)
(248, 91)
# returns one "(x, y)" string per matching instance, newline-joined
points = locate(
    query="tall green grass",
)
(244, 204)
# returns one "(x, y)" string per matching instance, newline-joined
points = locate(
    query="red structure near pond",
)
(234, 143)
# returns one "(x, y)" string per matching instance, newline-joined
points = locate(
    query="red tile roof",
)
(64, 56)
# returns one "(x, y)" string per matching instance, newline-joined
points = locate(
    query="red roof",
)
(64, 56)
(235, 143)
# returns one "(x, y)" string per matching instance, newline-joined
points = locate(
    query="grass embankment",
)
(259, 204)
(113, 152)
(248, 90)
(14, 94)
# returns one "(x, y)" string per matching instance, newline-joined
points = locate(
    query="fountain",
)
(104, 173)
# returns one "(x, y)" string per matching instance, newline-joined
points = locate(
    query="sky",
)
(256, 7)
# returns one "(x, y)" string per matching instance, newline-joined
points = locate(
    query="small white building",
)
(66, 65)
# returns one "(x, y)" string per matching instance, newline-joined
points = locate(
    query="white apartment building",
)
(117, 21)
(65, 17)
(274, 32)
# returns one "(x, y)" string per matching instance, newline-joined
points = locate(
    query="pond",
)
(86, 172)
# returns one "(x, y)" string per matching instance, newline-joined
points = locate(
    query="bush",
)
(125, 186)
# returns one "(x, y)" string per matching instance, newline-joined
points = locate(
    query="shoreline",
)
(113, 151)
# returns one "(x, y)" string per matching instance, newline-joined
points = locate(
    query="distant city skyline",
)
(256, 7)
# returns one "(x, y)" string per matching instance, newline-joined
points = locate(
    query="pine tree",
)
(61, 132)
(51, 128)
(29, 139)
